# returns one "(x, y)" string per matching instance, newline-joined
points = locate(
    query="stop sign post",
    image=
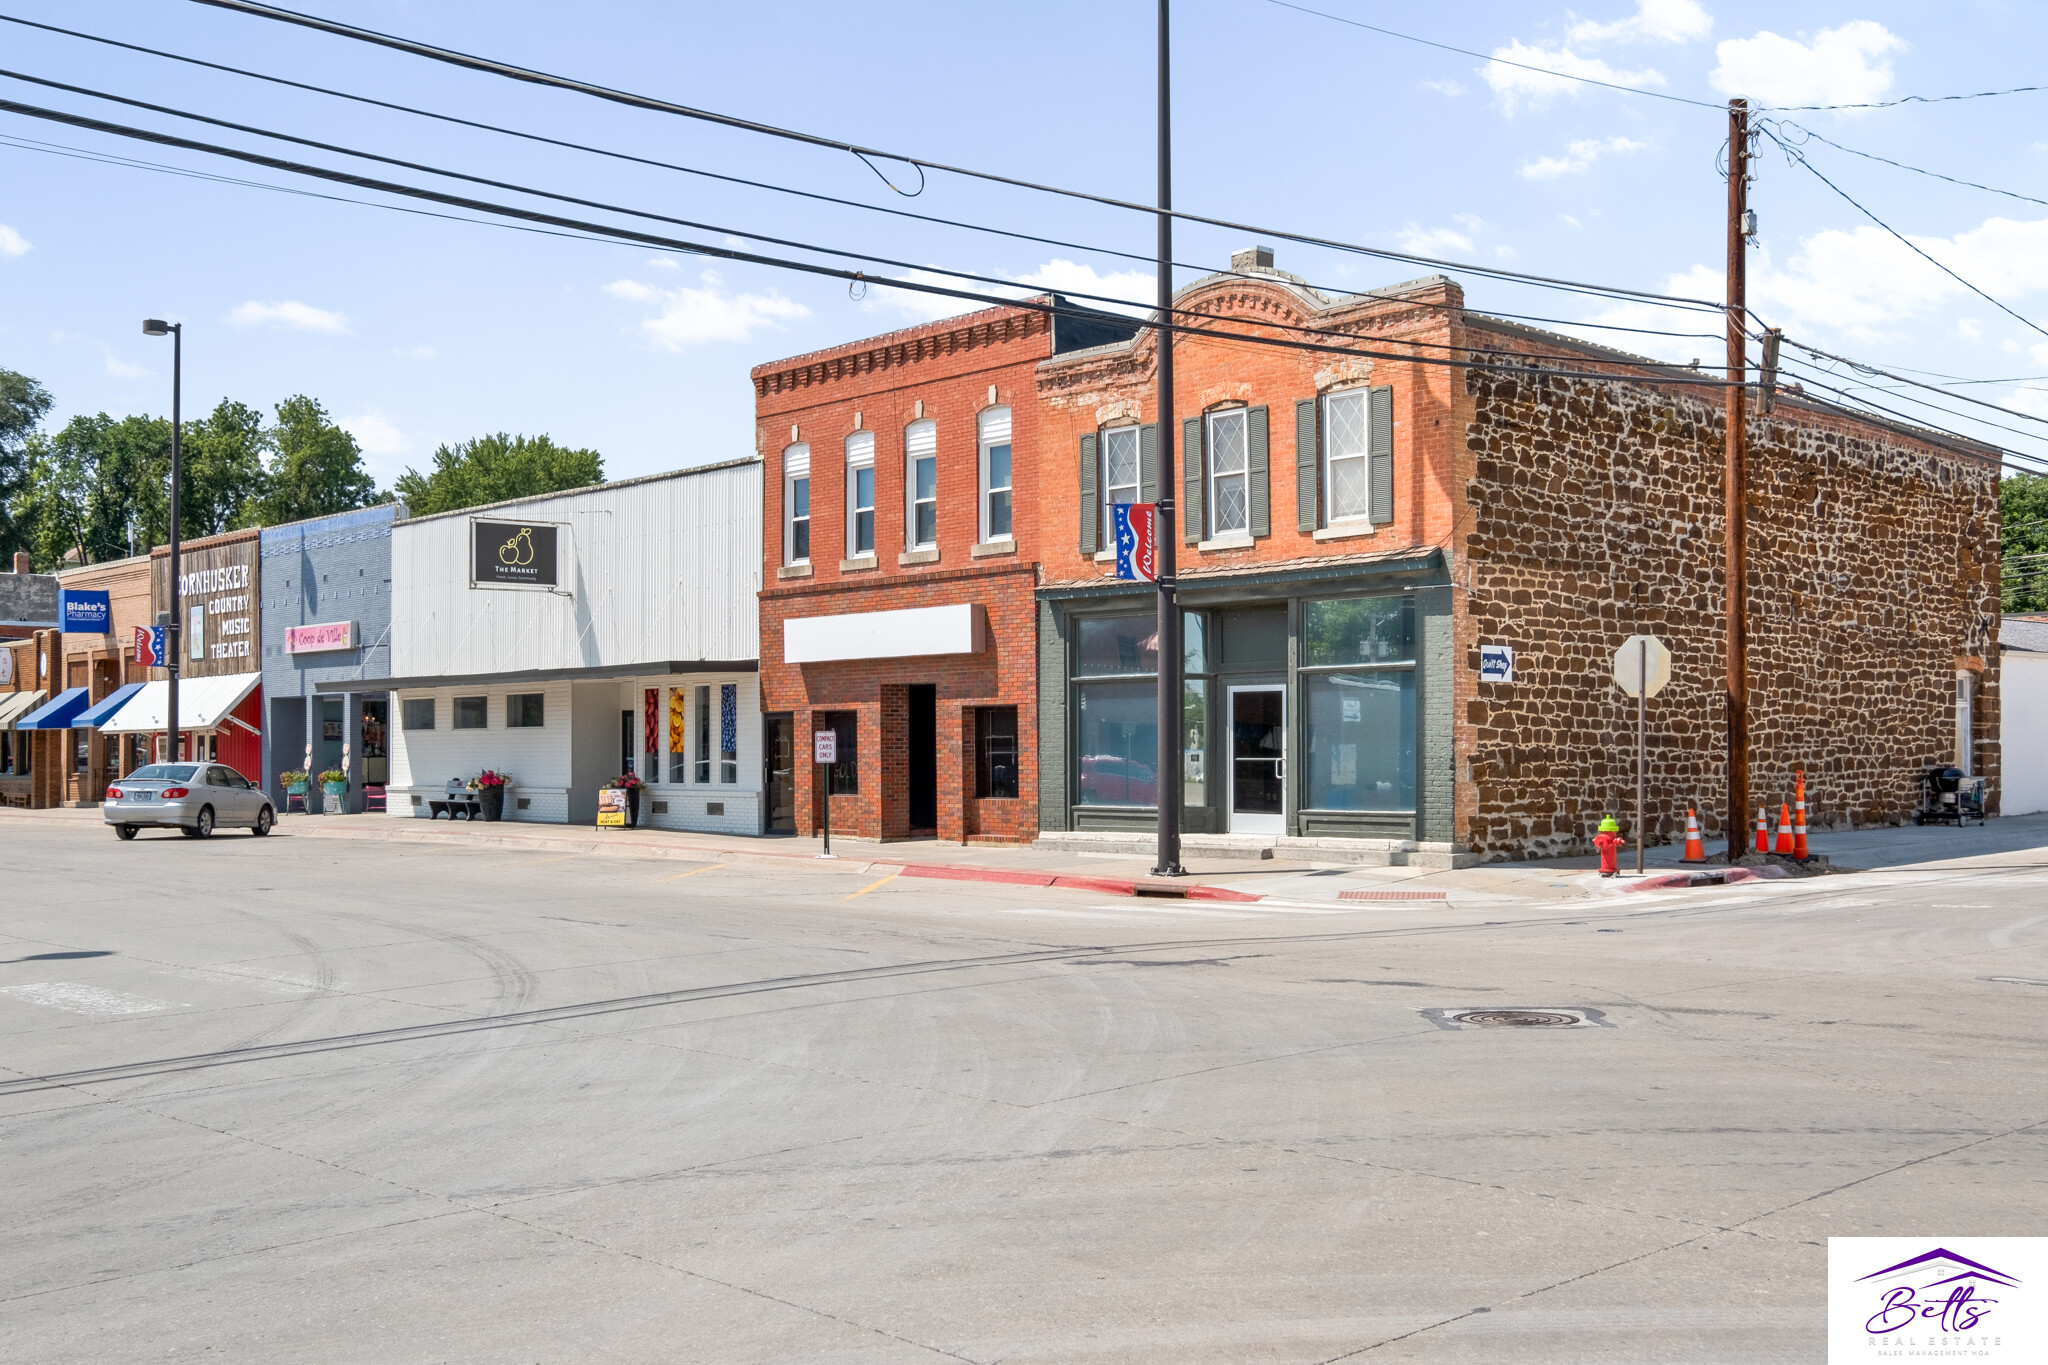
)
(825, 753)
(1642, 668)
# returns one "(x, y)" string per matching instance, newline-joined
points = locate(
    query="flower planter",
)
(337, 797)
(491, 802)
(632, 808)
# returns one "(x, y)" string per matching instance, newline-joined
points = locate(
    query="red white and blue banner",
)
(1136, 525)
(149, 646)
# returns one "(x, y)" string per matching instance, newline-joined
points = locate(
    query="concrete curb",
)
(1726, 876)
(1115, 886)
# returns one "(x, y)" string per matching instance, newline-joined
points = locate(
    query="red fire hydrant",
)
(1610, 843)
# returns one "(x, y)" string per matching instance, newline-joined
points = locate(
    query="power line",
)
(1931, 388)
(648, 214)
(1794, 154)
(1917, 170)
(744, 181)
(1912, 99)
(1051, 306)
(1502, 61)
(530, 76)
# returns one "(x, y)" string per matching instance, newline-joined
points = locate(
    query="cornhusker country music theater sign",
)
(219, 593)
(514, 554)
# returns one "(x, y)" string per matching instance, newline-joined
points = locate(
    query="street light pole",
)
(156, 327)
(1168, 631)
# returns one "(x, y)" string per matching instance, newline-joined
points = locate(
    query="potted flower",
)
(334, 782)
(294, 780)
(630, 784)
(490, 793)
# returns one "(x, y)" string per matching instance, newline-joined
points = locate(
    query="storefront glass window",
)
(1117, 644)
(526, 710)
(1194, 642)
(995, 752)
(1361, 630)
(416, 712)
(1194, 722)
(1119, 744)
(1361, 740)
(703, 768)
(472, 713)
(728, 732)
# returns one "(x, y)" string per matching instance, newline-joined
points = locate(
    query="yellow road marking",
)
(709, 867)
(880, 881)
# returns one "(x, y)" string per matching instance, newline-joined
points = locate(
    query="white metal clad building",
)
(565, 639)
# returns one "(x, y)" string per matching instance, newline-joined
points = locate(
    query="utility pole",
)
(1736, 574)
(1168, 631)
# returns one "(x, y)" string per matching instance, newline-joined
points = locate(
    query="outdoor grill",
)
(1947, 797)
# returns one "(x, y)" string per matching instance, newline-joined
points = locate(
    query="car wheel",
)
(125, 831)
(203, 827)
(264, 818)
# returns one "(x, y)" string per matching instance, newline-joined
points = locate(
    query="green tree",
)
(494, 468)
(222, 461)
(316, 468)
(95, 490)
(23, 404)
(2023, 541)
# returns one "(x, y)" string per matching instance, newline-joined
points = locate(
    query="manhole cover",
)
(1516, 1019)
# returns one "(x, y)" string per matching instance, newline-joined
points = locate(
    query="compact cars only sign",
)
(513, 554)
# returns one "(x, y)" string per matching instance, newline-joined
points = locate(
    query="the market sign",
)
(513, 554)
(316, 638)
(86, 613)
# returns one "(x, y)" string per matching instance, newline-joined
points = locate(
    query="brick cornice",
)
(991, 327)
(907, 581)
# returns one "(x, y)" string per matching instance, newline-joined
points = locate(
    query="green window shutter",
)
(1195, 519)
(1380, 454)
(1307, 452)
(1091, 500)
(1259, 479)
(1148, 464)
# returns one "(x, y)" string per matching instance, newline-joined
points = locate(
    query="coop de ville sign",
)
(514, 554)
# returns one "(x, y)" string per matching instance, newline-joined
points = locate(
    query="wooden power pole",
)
(1737, 481)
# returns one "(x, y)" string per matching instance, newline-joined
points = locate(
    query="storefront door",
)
(1258, 747)
(779, 750)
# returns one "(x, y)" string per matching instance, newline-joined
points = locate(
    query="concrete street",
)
(322, 1097)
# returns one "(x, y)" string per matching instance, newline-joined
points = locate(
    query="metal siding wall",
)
(1052, 718)
(662, 569)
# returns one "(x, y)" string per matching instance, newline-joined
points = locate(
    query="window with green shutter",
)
(1194, 468)
(1381, 439)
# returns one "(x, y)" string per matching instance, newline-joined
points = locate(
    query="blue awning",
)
(60, 713)
(94, 716)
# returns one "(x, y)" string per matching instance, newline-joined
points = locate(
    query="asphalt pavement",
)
(328, 1098)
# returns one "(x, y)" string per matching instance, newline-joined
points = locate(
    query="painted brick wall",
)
(1595, 512)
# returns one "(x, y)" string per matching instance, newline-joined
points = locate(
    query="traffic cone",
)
(1763, 832)
(1784, 849)
(1799, 821)
(1695, 851)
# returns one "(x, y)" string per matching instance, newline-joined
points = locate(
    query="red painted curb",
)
(1114, 886)
(1729, 876)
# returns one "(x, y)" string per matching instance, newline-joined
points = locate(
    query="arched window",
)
(860, 494)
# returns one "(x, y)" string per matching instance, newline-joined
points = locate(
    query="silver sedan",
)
(195, 798)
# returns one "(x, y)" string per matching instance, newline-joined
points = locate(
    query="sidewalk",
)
(1935, 850)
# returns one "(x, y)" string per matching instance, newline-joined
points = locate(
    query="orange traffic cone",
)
(1784, 849)
(1695, 851)
(1763, 832)
(1799, 821)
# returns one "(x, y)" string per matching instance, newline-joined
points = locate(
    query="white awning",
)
(15, 705)
(905, 634)
(203, 704)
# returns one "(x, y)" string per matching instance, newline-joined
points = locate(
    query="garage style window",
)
(472, 713)
(994, 440)
(525, 710)
(921, 485)
(1120, 477)
(1359, 684)
(995, 752)
(1229, 474)
(796, 505)
(860, 494)
(415, 713)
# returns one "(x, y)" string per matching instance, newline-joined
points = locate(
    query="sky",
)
(415, 330)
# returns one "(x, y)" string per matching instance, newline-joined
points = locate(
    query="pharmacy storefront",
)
(569, 640)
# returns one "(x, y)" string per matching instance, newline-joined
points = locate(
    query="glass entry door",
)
(1258, 749)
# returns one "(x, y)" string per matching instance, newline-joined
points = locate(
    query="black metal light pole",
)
(1170, 687)
(156, 327)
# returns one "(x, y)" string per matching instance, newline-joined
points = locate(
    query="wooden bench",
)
(458, 798)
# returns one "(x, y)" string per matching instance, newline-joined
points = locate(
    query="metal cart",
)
(1949, 798)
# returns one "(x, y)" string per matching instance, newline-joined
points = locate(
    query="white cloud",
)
(290, 313)
(1137, 287)
(1970, 329)
(1569, 221)
(691, 316)
(1578, 157)
(121, 369)
(13, 243)
(1845, 65)
(1449, 89)
(1419, 241)
(419, 352)
(1516, 87)
(1655, 21)
(665, 263)
(375, 433)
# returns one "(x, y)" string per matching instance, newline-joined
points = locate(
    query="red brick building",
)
(901, 536)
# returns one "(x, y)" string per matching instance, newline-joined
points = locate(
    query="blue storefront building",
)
(327, 619)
